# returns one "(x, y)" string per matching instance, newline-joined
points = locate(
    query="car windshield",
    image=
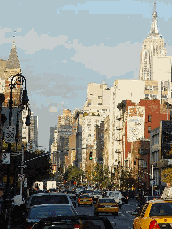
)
(161, 209)
(50, 211)
(106, 201)
(85, 196)
(112, 194)
(51, 199)
(71, 192)
(97, 192)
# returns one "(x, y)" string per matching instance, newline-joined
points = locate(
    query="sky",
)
(63, 45)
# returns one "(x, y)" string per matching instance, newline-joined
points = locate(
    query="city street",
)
(123, 221)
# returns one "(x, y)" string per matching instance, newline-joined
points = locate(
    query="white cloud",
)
(19, 30)
(32, 42)
(64, 61)
(109, 61)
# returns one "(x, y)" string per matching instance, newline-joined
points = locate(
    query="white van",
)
(116, 195)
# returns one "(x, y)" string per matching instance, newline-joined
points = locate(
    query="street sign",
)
(10, 132)
(5, 158)
(152, 182)
(21, 177)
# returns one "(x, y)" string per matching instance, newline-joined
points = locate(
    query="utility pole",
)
(22, 164)
(152, 179)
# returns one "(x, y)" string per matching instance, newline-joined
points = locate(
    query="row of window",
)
(155, 139)
(151, 88)
(151, 96)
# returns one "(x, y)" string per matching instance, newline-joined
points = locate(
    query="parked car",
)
(106, 205)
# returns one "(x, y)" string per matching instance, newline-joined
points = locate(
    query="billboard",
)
(135, 123)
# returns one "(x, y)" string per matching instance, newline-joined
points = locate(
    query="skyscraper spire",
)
(13, 61)
(154, 27)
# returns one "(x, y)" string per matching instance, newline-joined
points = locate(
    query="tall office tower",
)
(66, 118)
(153, 45)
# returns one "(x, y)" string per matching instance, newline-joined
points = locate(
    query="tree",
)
(38, 167)
(166, 175)
(74, 174)
(101, 175)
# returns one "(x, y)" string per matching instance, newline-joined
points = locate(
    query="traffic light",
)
(91, 156)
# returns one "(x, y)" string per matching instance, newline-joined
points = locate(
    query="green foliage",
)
(13, 146)
(73, 173)
(166, 175)
(101, 175)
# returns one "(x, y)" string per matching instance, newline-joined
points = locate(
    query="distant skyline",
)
(62, 46)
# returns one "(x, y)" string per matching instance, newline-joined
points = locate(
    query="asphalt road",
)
(124, 220)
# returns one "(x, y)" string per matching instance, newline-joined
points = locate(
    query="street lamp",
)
(19, 80)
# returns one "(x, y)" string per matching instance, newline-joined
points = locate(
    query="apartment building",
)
(51, 140)
(160, 150)
(33, 133)
(97, 102)
(72, 157)
(88, 135)
(106, 141)
(54, 152)
(78, 117)
(99, 142)
(66, 118)
(64, 131)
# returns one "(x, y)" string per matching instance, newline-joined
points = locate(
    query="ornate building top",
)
(13, 61)
(154, 27)
(153, 45)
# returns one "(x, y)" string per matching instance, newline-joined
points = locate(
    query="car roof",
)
(49, 194)
(106, 198)
(45, 205)
(159, 201)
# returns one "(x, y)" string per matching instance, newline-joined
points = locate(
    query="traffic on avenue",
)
(88, 207)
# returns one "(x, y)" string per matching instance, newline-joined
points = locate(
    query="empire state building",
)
(152, 46)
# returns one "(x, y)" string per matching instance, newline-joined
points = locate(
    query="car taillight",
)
(90, 199)
(154, 225)
(29, 227)
(77, 226)
(79, 199)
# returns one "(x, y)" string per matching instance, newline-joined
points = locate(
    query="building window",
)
(149, 129)
(149, 118)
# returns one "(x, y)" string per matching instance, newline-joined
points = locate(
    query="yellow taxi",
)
(106, 205)
(85, 200)
(156, 213)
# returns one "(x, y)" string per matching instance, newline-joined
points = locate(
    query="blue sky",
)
(63, 45)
